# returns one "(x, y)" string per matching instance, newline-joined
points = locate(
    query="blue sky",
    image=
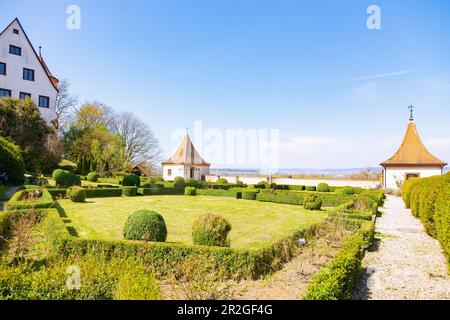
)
(337, 91)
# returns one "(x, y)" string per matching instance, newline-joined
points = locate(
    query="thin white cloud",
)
(377, 76)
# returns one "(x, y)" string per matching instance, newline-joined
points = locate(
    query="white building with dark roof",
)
(185, 163)
(24, 73)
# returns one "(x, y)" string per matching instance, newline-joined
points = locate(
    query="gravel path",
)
(405, 263)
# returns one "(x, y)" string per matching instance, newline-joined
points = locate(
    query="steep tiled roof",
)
(413, 152)
(186, 154)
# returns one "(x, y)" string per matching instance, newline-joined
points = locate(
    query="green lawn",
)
(254, 224)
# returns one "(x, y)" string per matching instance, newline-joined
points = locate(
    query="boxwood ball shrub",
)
(179, 182)
(323, 187)
(312, 202)
(189, 191)
(211, 230)
(129, 191)
(58, 173)
(76, 194)
(11, 161)
(131, 181)
(67, 179)
(92, 176)
(222, 181)
(145, 225)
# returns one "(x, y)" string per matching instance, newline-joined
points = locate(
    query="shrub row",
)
(90, 192)
(219, 193)
(17, 201)
(429, 200)
(155, 191)
(336, 281)
(297, 197)
(166, 257)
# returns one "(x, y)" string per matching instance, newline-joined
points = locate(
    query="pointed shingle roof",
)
(413, 152)
(186, 154)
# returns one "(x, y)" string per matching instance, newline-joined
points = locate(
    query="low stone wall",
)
(306, 182)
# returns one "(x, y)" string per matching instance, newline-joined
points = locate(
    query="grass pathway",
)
(405, 262)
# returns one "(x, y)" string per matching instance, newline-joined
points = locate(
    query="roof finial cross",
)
(411, 110)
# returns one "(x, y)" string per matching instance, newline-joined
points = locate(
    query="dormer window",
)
(28, 74)
(16, 31)
(15, 50)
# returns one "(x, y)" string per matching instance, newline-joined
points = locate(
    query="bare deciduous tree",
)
(65, 104)
(138, 142)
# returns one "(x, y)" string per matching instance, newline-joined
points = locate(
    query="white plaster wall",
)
(41, 86)
(305, 182)
(392, 174)
(184, 172)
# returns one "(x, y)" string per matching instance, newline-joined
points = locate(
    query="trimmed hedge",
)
(67, 179)
(145, 225)
(158, 191)
(76, 194)
(92, 176)
(430, 202)
(336, 281)
(17, 203)
(211, 230)
(323, 187)
(312, 202)
(129, 191)
(310, 188)
(249, 195)
(164, 258)
(189, 191)
(11, 161)
(219, 193)
(407, 190)
(297, 197)
(131, 181)
(90, 192)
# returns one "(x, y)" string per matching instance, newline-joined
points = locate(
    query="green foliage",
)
(219, 193)
(19, 202)
(262, 185)
(179, 182)
(191, 183)
(221, 181)
(56, 175)
(348, 191)
(101, 279)
(374, 209)
(67, 179)
(323, 187)
(442, 221)
(129, 191)
(11, 161)
(21, 122)
(249, 195)
(165, 258)
(339, 277)
(297, 187)
(154, 191)
(407, 189)
(93, 176)
(310, 188)
(76, 194)
(312, 202)
(189, 191)
(296, 197)
(211, 230)
(131, 181)
(145, 225)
